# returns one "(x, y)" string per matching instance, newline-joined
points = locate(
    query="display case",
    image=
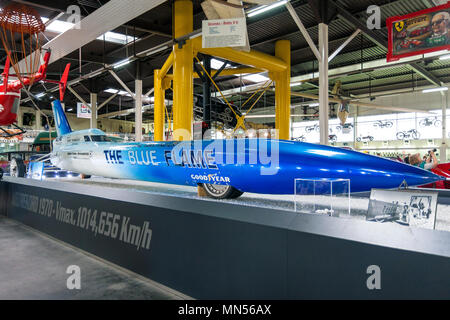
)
(322, 196)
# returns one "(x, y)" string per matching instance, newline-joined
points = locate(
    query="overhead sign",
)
(83, 111)
(6, 136)
(224, 33)
(418, 33)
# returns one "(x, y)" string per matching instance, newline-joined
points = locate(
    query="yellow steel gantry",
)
(181, 59)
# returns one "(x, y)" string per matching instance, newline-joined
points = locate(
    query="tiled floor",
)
(34, 266)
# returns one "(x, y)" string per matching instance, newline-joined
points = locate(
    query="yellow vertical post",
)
(183, 83)
(159, 106)
(283, 91)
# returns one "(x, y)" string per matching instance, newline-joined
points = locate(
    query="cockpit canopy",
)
(90, 135)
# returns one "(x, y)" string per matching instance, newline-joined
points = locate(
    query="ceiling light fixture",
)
(116, 38)
(255, 77)
(261, 9)
(438, 89)
(121, 63)
(156, 50)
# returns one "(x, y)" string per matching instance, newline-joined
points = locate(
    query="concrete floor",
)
(33, 266)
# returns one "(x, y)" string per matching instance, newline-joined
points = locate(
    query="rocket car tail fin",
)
(61, 122)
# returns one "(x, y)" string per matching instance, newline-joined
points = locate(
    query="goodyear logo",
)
(210, 178)
(399, 25)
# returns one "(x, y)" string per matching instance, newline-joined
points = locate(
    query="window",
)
(75, 139)
(87, 139)
(101, 138)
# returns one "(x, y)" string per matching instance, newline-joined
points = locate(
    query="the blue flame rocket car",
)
(225, 168)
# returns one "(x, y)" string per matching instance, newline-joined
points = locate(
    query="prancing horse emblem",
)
(399, 25)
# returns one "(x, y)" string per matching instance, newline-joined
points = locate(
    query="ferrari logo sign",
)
(419, 32)
(399, 25)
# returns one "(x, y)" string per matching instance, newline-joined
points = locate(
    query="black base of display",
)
(215, 250)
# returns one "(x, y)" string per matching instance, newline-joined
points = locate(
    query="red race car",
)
(420, 31)
(409, 44)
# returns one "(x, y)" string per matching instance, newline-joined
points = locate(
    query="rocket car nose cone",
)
(416, 176)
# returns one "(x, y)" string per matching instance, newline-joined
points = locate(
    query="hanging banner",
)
(83, 111)
(419, 32)
(224, 33)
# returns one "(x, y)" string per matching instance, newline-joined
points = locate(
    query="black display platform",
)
(215, 250)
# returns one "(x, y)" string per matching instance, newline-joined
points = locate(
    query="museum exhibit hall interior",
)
(244, 150)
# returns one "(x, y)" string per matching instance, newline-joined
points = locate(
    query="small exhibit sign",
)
(410, 207)
(83, 111)
(224, 33)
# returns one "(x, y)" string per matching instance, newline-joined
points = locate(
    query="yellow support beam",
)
(283, 91)
(166, 66)
(159, 107)
(227, 72)
(183, 80)
(253, 58)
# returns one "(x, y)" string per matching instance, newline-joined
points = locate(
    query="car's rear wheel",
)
(17, 168)
(217, 191)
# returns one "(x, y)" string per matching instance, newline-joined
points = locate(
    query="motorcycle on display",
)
(365, 138)
(428, 122)
(312, 128)
(302, 138)
(383, 124)
(410, 134)
(347, 126)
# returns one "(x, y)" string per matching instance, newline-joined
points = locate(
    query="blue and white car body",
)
(225, 168)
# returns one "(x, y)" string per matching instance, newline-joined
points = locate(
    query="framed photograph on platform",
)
(410, 207)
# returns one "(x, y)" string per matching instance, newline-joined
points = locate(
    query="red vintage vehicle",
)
(443, 170)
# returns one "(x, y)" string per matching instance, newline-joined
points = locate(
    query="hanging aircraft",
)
(10, 93)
